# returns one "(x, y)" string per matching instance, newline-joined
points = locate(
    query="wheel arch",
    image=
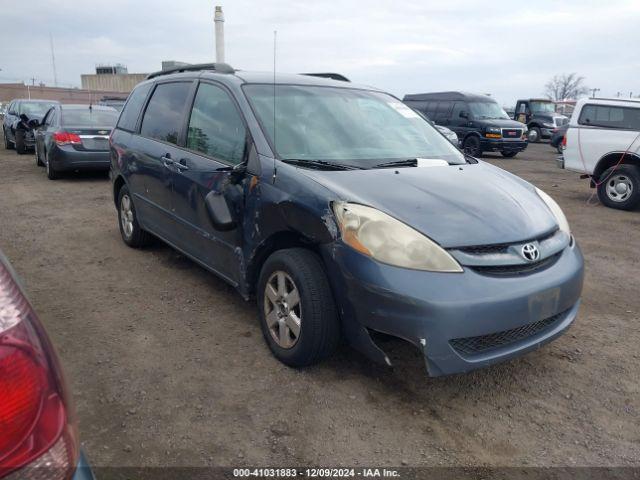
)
(472, 134)
(118, 183)
(610, 159)
(280, 240)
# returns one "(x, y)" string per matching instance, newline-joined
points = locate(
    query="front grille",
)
(511, 133)
(486, 249)
(512, 270)
(484, 343)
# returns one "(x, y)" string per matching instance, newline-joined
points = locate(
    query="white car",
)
(602, 142)
(450, 134)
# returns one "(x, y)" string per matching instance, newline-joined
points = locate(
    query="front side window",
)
(610, 117)
(163, 117)
(215, 126)
(355, 127)
(487, 110)
(131, 111)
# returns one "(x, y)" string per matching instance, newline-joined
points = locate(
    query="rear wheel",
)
(471, 146)
(20, 146)
(509, 154)
(132, 234)
(52, 173)
(534, 135)
(7, 144)
(297, 312)
(619, 187)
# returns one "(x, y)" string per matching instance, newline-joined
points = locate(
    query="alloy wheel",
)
(126, 216)
(282, 309)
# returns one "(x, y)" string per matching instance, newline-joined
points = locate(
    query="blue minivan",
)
(344, 213)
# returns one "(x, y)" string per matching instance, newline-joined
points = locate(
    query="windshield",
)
(487, 110)
(353, 127)
(34, 109)
(542, 107)
(89, 117)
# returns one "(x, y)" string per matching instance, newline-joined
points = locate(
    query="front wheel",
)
(21, 148)
(7, 144)
(619, 187)
(509, 154)
(39, 161)
(534, 135)
(297, 313)
(471, 146)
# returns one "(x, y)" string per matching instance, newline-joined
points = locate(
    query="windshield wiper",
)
(320, 164)
(407, 162)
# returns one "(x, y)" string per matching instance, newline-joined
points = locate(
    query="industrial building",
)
(113, 78)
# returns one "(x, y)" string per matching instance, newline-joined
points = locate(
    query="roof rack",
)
(333, 76)
(217, 67)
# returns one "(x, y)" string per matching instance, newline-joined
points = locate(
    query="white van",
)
(602, 142)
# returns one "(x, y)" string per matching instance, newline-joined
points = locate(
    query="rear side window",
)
(131, 111)
(163, 117)
(610, 117)
(215, 126)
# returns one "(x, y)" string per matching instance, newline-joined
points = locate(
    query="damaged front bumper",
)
(460, 321)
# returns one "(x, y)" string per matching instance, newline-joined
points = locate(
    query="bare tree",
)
(565, 86)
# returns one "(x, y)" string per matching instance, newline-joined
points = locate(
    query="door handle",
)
(167, 161)
(182, 165)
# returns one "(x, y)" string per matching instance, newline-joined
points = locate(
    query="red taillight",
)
(37, 425)
(66, 138)
(564, 141)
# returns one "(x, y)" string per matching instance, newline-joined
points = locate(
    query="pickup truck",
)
(602, 143)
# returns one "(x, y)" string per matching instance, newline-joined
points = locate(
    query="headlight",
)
(548, 125)
(493, 130)
(563, 224)
(376, 234)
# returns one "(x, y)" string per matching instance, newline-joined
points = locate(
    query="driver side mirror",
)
(464, 114)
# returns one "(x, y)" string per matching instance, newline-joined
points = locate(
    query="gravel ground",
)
(168, 367)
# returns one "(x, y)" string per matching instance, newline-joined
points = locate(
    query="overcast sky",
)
(507, 48)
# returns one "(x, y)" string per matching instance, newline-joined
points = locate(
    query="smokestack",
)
(218, 21)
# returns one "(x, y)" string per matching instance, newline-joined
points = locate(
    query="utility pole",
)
(218, 21)
(53, 61)
(594, 90)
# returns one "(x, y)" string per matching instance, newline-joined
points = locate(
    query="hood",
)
(498, 122)
(455, 205)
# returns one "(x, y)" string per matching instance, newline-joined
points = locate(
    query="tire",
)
(534, 135)
(132, 234)
(471, 146)
(39, 162)
(509, 154)
(559, 148)
(52, 173)
(21, 149)
(318, 325)
(619, 187)
(7, 144)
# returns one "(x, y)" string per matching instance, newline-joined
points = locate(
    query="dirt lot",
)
(168, 366)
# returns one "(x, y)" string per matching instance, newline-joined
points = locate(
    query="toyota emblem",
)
(530, 252)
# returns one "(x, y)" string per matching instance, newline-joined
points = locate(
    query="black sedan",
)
(75, 137)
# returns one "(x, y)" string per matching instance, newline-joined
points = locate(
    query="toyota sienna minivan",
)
(344, 213)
